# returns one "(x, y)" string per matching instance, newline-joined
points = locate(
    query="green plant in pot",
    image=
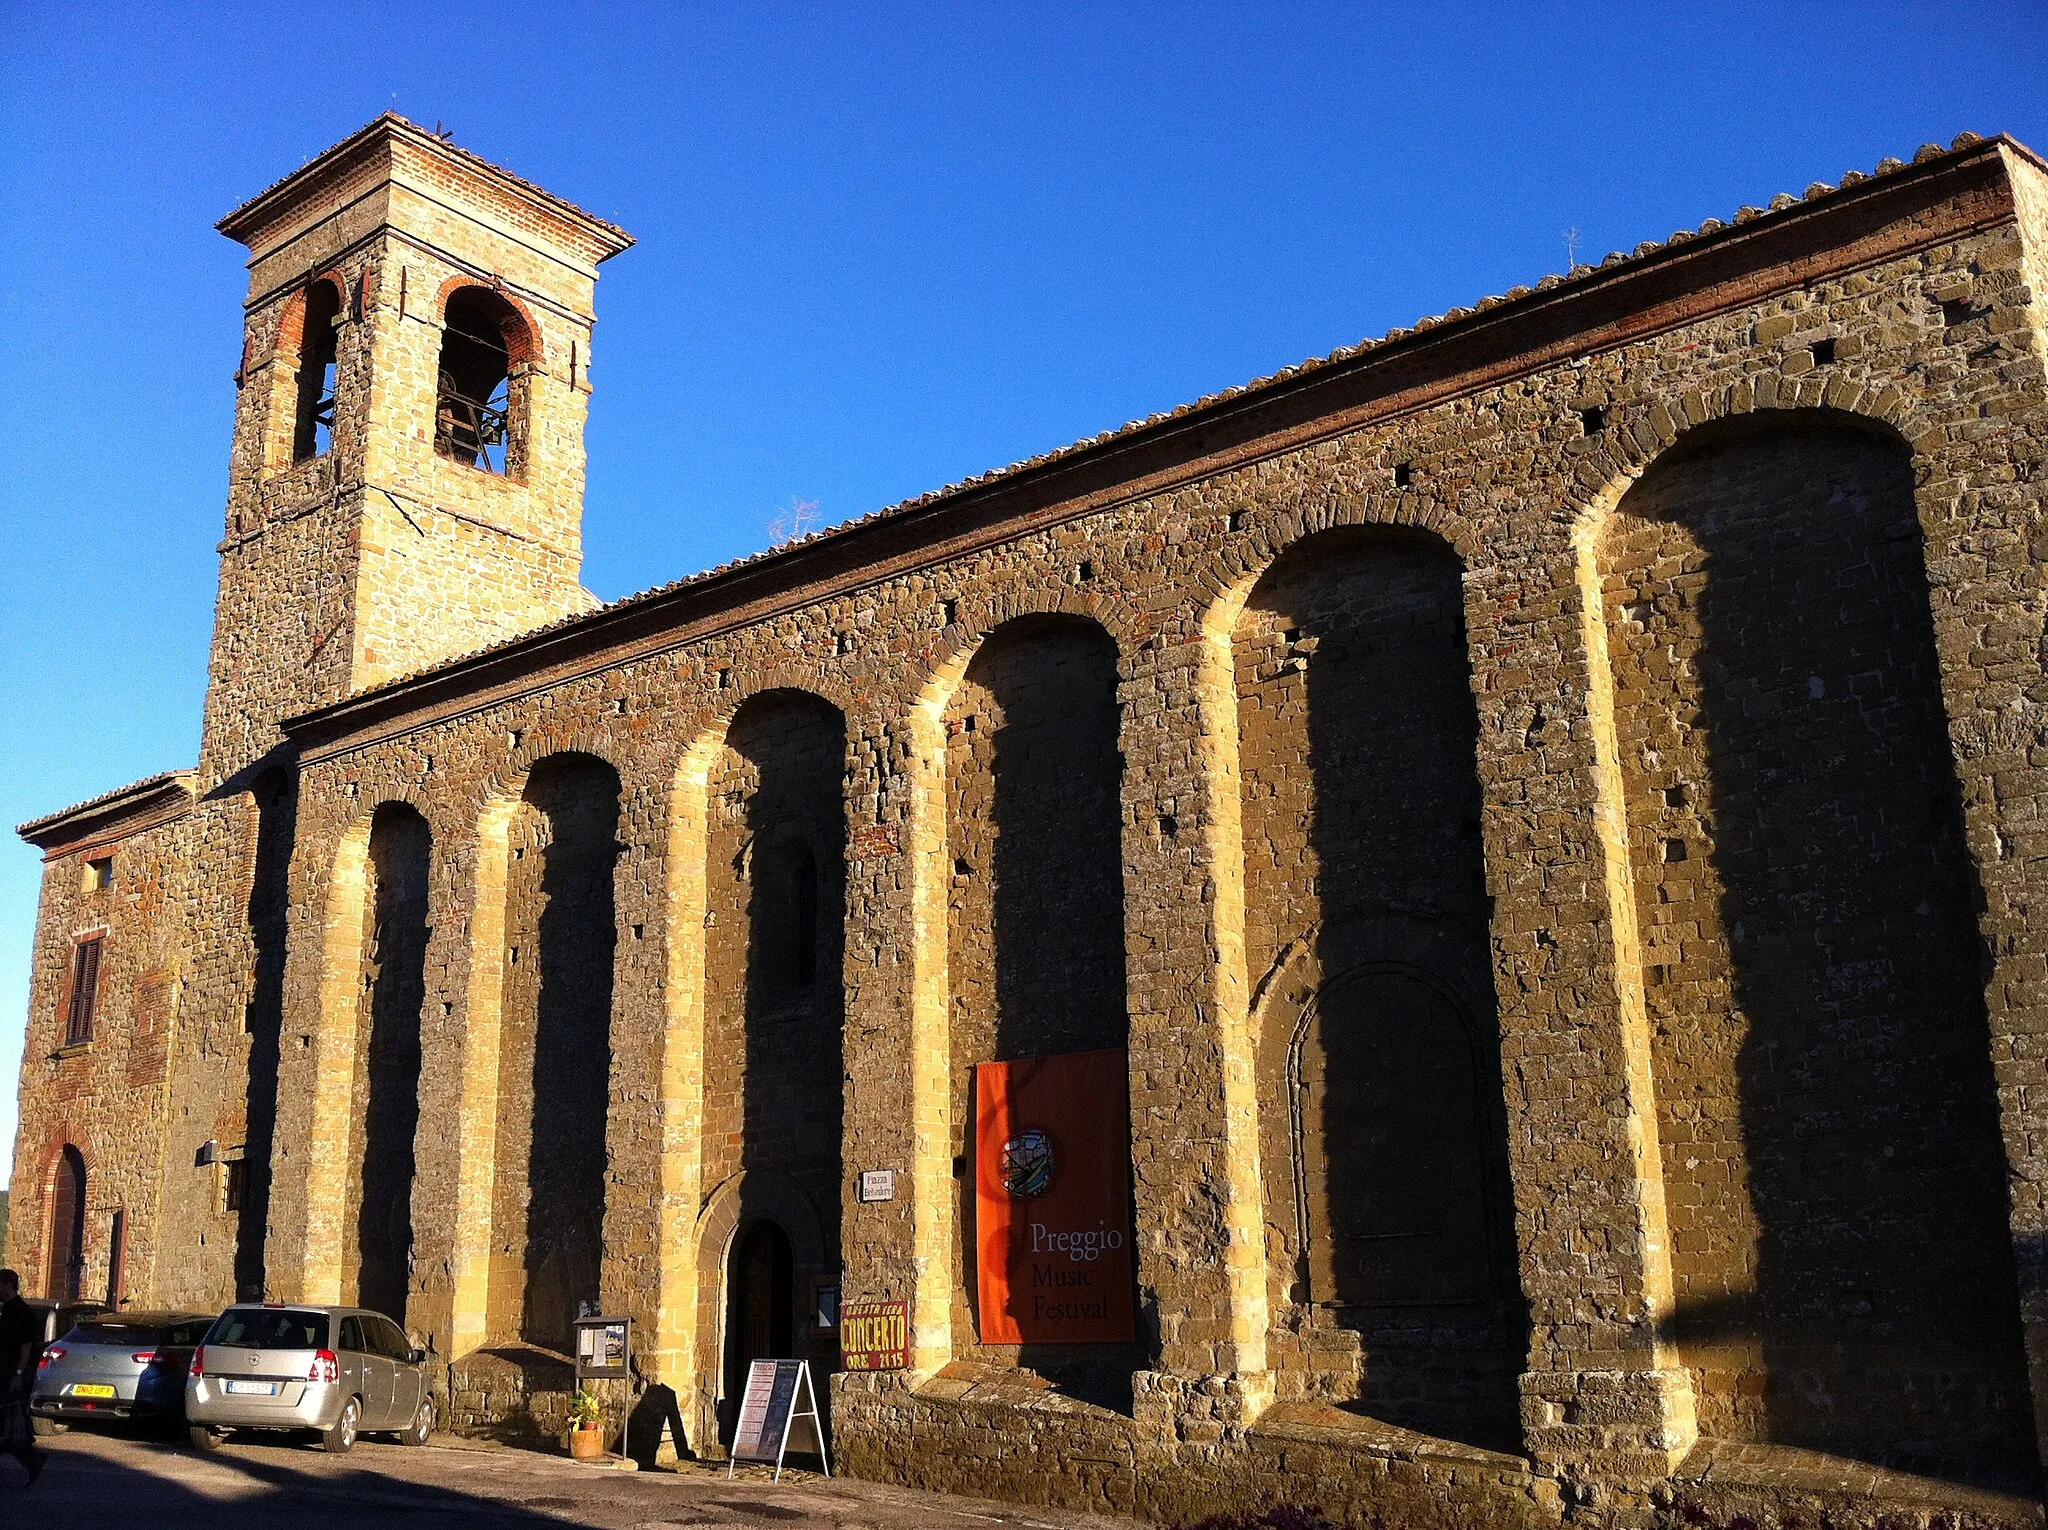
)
(586, 1425)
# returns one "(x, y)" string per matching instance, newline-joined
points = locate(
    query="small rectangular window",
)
(99, 873)
(236, 1182)
(1959, 311)
(85, 990)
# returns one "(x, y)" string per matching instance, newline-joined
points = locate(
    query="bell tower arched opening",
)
(480, 384)
(319, 350)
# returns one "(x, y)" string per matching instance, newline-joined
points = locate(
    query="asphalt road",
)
(96, 1480)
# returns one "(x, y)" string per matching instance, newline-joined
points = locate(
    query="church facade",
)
(1550, 806)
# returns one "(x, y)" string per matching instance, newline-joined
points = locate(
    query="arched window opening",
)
(319, 346)
(474, 420)
(67, 1228)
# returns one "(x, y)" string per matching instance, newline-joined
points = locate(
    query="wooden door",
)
(67, 1229)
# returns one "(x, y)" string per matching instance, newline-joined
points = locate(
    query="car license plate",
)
(259, 1388)
(90, 1389)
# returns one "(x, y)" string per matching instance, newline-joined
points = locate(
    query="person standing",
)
(21, 1342)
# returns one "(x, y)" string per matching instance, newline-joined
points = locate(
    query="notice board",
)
(604, 1348)
(1052, 1200)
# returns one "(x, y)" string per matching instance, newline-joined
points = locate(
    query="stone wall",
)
(1557, 787)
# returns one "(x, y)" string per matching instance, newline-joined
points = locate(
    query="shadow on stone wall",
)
(1411, 1226)
(555, 1050)
(1834, 951)
(1035, 783)
(276, 799)
(792, 1097)
(1391, 1259)
(388, 1057)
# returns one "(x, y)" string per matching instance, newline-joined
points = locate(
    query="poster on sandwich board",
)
(779, 1409)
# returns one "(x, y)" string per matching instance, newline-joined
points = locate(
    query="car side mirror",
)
(417, 1357)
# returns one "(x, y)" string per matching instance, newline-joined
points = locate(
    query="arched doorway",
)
(759, 1309)
(67, 1228)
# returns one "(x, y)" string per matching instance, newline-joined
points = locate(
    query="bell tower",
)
(406, 482)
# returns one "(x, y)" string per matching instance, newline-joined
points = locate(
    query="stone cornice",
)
(393, 137)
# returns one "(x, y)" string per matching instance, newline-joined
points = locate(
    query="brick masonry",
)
(1549, 799)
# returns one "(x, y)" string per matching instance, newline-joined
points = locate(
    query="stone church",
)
(1551, 803)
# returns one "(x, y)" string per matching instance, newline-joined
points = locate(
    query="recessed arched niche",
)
(1805, 908)
(1391, 1276)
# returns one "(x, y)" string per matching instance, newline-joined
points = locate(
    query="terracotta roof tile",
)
(147, 784)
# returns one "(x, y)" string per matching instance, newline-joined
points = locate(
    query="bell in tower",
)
(407, 475)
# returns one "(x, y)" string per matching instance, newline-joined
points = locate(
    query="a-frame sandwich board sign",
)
(779, 1396)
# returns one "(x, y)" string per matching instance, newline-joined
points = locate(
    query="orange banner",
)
(1052, 1198)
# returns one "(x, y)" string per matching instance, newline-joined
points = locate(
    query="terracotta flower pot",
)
(586, 1442)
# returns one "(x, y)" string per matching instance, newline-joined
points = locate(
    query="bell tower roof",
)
(394, 152)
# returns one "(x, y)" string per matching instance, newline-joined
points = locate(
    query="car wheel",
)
(342, 1437)
(422, 1425)
(205, 1437)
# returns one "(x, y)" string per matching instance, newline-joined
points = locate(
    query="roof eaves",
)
(38, 831)
(242, 218)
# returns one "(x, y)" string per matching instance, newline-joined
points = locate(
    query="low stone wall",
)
(998, 1437)
(515, 1394)
(1726, 1486)
(975, 1430)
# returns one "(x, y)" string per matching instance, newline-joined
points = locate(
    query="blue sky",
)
(882, 248)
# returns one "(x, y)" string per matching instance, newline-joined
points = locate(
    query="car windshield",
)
(269, 1328)
(117, 1333)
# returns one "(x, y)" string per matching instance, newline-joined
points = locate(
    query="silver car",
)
(339, 1370)
(119, 1365)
